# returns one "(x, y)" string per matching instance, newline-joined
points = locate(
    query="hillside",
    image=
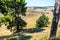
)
(32, 15)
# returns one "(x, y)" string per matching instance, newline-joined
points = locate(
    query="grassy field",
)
(32, 32)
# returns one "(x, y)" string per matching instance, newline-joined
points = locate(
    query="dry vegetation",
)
(31, 16)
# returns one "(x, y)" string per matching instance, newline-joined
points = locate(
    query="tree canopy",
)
(13, 10)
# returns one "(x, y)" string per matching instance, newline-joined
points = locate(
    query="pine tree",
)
(15, 9)
(3, 11)
(19, 9)
(2, 7)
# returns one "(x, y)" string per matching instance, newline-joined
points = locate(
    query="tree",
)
(42, 21)
(2, 7)
(55, 20)
(19, 9)
(3, 11)
(16, 9)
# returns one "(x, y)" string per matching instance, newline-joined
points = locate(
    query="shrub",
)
(59, 25)
(52, 10)
(42, 21)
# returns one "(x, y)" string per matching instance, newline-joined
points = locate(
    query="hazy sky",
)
(40, 2)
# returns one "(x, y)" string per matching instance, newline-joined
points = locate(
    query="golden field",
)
(31, 16)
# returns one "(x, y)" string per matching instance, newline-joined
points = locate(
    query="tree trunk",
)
(11, 29)
(17, 24)
(54, 27)
(17, 28)
(55, 21)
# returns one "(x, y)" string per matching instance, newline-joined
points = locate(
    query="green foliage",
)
(20, 22)
(18, 10)
(5, 19)
(12, 39)
(59, 25)
(42, 21)
(19, 7)
(12, 12)
(2, 7)
(52, 10)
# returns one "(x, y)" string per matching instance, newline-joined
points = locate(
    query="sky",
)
(40, 3)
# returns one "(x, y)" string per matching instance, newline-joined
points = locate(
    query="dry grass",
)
(31, 18)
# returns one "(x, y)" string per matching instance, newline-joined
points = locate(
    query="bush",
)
(59, 25)
(42, 21)
(52, 10)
